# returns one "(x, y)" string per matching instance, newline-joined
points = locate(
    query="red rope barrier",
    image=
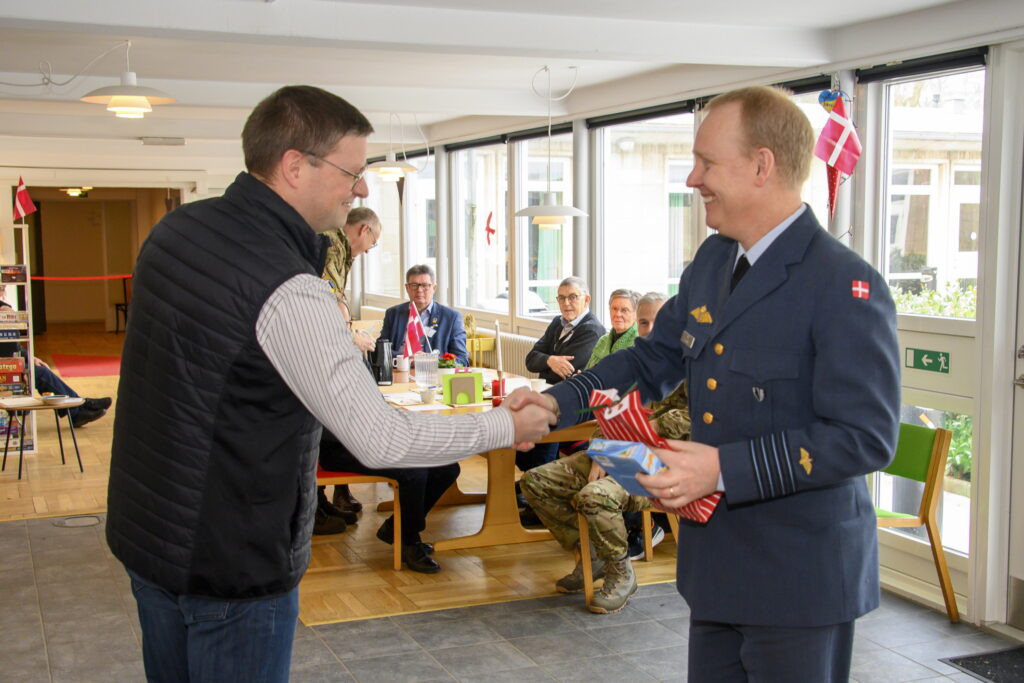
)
(82, 277)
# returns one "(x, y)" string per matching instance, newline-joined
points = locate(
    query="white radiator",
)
(514, 348)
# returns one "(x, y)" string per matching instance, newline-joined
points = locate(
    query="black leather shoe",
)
(527, 517)
(324, 524)
(331, 511)
(344, 500)
(97, 403)
(416, 558)
(84, 416)
(386, 533)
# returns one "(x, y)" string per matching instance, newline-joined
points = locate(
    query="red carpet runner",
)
(86, 366)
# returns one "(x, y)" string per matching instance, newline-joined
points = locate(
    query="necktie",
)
(742, 266)
(567, 329)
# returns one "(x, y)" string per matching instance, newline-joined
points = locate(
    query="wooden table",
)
(501, 512)
(16, 411)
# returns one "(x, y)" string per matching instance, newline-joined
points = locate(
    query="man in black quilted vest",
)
(235, 355)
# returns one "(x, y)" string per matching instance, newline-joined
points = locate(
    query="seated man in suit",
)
(442, 325)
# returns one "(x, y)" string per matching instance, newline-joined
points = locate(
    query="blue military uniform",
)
(794, 377)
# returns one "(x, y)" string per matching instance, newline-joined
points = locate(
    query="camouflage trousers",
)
(558, 489)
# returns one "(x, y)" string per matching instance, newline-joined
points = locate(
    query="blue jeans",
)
(196, 639)
(46, 380)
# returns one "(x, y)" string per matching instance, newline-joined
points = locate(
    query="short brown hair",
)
(771, 119)
(300, 117)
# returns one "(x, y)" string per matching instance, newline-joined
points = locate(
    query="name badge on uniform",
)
(687, 339)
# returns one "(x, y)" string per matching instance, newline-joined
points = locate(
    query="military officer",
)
(787, 341)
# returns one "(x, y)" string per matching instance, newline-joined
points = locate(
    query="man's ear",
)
(291, 167)
(764, 160)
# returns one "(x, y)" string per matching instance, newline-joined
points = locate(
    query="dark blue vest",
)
(212, 473)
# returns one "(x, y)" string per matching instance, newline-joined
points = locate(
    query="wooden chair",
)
(122, 308)
(921, 456)
(648, 528)
(328, 478)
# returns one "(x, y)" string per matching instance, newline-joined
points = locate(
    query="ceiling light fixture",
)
(77, 191)
(549, 214)
(390, 169)
(128, 100)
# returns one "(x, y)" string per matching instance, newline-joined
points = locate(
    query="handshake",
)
(533, 415)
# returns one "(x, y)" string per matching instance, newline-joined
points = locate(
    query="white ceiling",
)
(456, 67)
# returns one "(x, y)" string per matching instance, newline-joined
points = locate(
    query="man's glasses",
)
(572, 298)
(356, 177)
(416, 285)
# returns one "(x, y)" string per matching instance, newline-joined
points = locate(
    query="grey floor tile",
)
(533, 674)
(885, 666)
(90, 655)
(529, 624)
(477, 660)
(560, 647)
(67, 576)
(441, 616)
(354, 640)
(25, 669)
(401, 668)
(320, 673)
(645, 635)
(582, 618)
(895, 631)
(607, 668)
(651, 589)
(680, 625)
(111, 671)
(664, 606)
(499, 609)
(108, 628)
(667, 663)
(453, 634)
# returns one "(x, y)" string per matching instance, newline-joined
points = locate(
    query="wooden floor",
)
(350, 575)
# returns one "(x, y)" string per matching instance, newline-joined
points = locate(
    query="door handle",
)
(1019, 381)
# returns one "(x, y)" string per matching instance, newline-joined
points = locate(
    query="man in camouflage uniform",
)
(558, 489)
(360, 234)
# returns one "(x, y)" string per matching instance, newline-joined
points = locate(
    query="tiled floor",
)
(68, 615)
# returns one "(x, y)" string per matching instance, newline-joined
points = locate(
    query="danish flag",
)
(413, 332)
(23, 204)
(838, 145)
(861, 290)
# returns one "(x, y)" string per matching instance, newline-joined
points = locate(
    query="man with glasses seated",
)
(563, 351)
(442, 326)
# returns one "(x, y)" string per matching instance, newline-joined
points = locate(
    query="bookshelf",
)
(17, 374)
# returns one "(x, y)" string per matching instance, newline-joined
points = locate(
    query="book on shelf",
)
(11, 378)
(13, 274)
(12, 364)
(10, 316)
(12, 334)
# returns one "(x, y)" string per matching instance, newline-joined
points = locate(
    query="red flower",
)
(447, 356)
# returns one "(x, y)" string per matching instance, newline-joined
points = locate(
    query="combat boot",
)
(573, 582)
(619, 584)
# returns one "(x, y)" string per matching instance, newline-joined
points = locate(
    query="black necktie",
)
(742, 266)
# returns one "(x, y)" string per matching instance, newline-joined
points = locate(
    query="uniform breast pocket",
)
(765, 382)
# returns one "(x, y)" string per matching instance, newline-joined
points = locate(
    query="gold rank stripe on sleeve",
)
(770, 461)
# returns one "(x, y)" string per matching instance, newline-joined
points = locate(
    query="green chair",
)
(921, 455)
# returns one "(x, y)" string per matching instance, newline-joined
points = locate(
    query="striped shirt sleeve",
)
(303, 334)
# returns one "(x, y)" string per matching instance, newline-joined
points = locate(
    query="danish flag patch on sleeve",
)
(861, 289)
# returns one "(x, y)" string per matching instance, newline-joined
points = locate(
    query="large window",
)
(420, 213)
(650, 223)
(548, 258)
(479, 189)
(933, 193)
(384, 264)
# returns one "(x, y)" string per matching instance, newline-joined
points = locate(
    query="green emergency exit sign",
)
(923, 359)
